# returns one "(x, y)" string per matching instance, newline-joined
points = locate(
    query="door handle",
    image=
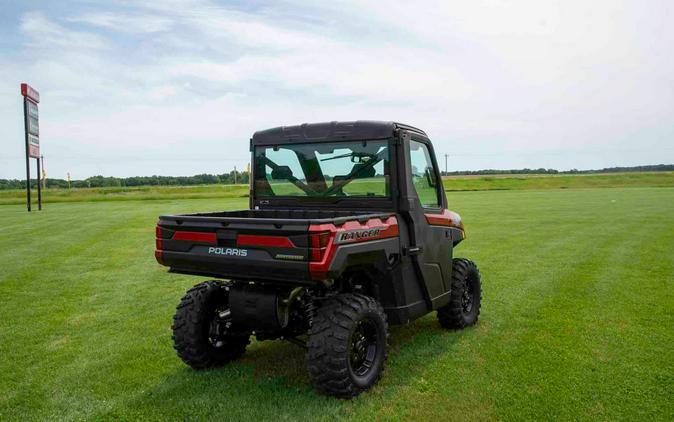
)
(414, 250)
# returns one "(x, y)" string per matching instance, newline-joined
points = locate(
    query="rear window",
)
(335, 169)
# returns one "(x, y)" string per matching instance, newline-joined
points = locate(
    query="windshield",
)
(350, 169)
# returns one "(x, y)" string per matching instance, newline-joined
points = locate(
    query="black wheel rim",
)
(467, 297)
(363, 348)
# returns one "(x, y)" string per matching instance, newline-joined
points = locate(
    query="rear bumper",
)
(286, 272)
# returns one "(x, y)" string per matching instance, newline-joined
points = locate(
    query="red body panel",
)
(319, 269)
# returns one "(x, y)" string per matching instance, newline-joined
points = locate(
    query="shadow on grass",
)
(270, 382)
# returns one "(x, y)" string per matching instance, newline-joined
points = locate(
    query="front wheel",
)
(347, 343)
(463, 308)
(202, 331)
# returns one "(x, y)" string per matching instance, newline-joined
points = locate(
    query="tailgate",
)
(241, 248)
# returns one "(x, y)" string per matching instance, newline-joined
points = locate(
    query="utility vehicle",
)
(348, 231)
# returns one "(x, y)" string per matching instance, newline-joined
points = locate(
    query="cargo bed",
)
(274, 245)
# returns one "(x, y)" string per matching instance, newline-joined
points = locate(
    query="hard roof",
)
(329, 131)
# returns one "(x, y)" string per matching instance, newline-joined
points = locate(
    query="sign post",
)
(31, 119)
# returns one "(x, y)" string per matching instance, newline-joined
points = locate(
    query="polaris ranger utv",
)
(348, 231)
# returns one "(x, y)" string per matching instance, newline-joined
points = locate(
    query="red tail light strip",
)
(196, 237)
(271, 241)
(319, 269)
(159, 245)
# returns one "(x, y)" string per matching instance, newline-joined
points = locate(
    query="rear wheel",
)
(346, 350)
(463, 308)
(202, 331)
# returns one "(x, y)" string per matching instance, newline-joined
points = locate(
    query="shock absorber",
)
(309, 310)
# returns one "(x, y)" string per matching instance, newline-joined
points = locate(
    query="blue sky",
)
(177, 87)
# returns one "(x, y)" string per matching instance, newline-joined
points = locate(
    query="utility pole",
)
(446, 155)
(235, 175)
(68, 180)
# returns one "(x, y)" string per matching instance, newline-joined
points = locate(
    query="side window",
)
(423, 175)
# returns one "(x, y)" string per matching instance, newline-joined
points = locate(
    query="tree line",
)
(657, 167)
(242, 177)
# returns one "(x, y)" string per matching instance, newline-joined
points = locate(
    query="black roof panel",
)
(328, 131)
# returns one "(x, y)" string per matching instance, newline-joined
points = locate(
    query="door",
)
(433, 243)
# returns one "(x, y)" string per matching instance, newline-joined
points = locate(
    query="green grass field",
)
(577, 320)
(559, 181)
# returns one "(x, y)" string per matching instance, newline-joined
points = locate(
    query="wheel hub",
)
(363, 347)
(218, 327)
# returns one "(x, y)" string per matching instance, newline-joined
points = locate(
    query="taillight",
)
(158, 245)
(158, 240)
(318, 242)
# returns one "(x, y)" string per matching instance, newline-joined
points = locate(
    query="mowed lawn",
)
(577, 320)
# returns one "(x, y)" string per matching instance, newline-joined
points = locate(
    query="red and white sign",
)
(30, 92)
(31, 115)
(31, 119)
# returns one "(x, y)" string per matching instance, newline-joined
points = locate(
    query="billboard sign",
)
(31, 122)
(32, 118)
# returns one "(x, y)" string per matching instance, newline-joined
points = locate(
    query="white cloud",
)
(244, 29)
(162, 92)
(45, 33)
(123, 22)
